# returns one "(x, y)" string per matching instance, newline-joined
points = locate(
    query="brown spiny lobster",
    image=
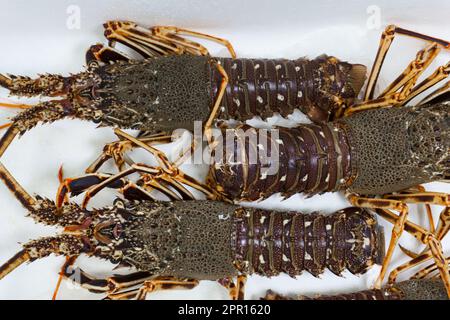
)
(177, 244)
(178, 83)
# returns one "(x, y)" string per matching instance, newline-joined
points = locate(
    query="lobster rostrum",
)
(177, 244)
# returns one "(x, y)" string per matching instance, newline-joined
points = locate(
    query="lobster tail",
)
(256, 163)
(263, 87)
(270, 242)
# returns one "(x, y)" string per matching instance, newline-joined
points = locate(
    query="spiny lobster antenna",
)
(14, 263)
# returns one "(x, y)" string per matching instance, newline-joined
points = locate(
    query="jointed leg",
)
(152, 178)
(117, 150)
(99, 53)
(165, 283)
(158, 41)
(131, 191)
(440, 74)
(386, 40)
(68, 264)
(111, 285)
(236, 289)
(427, 270)
(215, 109)
(400, 224)
(436, 94)
(400, 89)
(169, 32)
(434, 236)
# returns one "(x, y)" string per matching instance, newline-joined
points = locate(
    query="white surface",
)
(35, 39)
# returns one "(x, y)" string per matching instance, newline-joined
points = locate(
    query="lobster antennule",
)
(51, 85)
(46, 112)
(13, 263)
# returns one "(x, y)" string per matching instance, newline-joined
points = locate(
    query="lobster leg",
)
(116, 150)
(165, 283)
(160, 40)
(235, 289)
(75, 186)
(386, 40)
(439, 234)
(421, 274)
(405, 83)
(110, 285)
(169, 32)
(398, 203)
(169, 169)
(436, 94)
(154, 176)
(413, 71)
(440, 74)
(99, 53)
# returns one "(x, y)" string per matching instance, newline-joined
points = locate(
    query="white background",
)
(35, 39)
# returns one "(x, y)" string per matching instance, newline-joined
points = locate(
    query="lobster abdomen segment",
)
(262, 87)
(256, 163)
(269, 242)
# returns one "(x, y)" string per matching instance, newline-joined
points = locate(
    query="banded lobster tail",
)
(177, 244)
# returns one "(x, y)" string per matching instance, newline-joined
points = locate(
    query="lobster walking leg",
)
(425, 237)
(235, 289)
(160, 40)
(421, 274)
(99, 53)
(397, 202)
(386, 40)
(405, 83)
(165, 283)
(108, 285)
(440, 74)
(439, 234)
(116, 150)
(67, 264)
(438, 93)
(153, 177)
(168, 33)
